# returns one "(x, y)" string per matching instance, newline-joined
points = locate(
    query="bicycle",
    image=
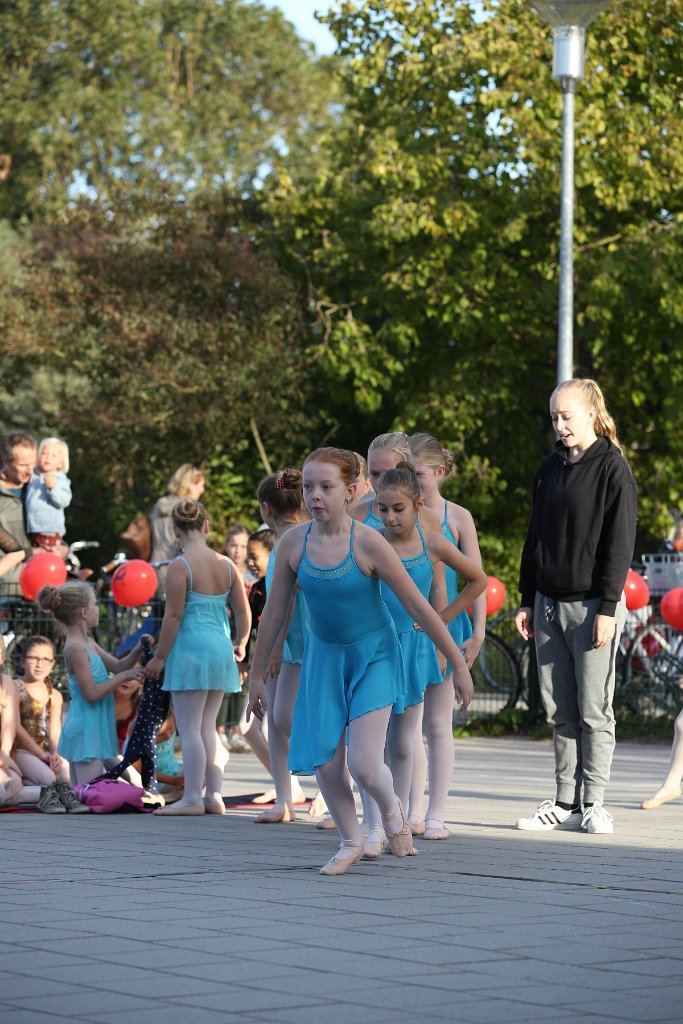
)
(497, 670)
(652, 680)
(504, 631)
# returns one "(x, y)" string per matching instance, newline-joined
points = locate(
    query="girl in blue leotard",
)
(281, 503)
(351, 674)
(384, 452)
(432, 465)
(196, 651)
(424, 554)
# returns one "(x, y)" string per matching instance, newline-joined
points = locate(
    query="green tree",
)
(146, 347)
(142, 97)
(429, 238)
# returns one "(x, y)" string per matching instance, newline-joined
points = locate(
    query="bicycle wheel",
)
(503, 628)
(497, 669)
(653, 671)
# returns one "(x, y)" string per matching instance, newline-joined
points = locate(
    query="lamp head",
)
(569, 12)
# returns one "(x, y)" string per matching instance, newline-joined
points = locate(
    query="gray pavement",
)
(215, 920)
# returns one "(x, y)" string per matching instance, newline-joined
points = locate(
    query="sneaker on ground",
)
(597, 820)
(49, 802)
(69, 800)
(548, 816)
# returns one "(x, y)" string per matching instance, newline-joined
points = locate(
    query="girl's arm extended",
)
(237, 599)
(176, 596)
(272, 621)
(383, 561)
(79, 665)
(476, 578)
(120, 664)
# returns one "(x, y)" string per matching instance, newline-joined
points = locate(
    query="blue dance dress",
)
(460, 627)
(372, 521)
(89, 732)
(202, 657)
(352, 661)
(293, 648)
(420, 663)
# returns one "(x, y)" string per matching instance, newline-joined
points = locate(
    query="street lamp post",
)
(569, 19)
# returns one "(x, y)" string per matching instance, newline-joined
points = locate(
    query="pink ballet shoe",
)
(173, 810)
(659, 798)
(375, 844)
(417, 827)
(346, 856)
(399, 841)
(326, 823)
(213, 806)
(275, 815)
(435, 829)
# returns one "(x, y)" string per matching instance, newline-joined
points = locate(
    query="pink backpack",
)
(105, 796)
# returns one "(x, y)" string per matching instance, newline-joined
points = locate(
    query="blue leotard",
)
(460, 627)
(89, 732)
(420, 663)
(293, 647)
(372, 521)
(352, 661)
(202, 657)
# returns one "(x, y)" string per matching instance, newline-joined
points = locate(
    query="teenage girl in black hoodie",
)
(577, 552)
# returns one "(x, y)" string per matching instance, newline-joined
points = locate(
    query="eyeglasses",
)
(38, 661)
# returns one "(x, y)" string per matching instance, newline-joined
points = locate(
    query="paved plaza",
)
(203, 921)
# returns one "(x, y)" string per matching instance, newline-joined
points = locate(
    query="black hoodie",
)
(582, 531)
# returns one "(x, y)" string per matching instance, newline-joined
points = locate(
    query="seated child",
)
(47, 495)
(39, 729)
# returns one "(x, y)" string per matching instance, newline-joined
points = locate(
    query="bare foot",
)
(181, 807)
(662, 796)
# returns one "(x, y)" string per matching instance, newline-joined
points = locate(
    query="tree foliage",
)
(142, 97)
(430, 238)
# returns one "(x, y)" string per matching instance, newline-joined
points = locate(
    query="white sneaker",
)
(597, 820)
(237, 744)
(548, 816)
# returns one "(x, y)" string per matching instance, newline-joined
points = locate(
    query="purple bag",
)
(105, 796)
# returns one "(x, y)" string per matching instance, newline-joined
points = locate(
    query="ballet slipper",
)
(435, 829)
(213, 806)
(269, 797)
(375, 844)
(275, 815)
(417, 827)
(180, 808)
(662, 796)
(399, 836)
(347, 855)
(326, 823)
(318, 806)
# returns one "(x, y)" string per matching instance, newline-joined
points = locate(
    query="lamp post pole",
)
(569, 19)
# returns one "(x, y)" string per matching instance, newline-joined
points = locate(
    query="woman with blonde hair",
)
(578, 549)
(187, 482)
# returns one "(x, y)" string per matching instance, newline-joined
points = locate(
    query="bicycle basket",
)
(663, 571)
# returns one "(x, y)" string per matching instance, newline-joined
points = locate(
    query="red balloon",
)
(40, 570)
(671, 607)
(134, 583)
(636, 591)
(495, 595)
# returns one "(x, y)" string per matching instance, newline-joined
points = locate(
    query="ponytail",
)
(592, 397)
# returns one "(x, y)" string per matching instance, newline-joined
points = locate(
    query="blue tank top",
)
(345, 606)
(421, 572)
(372, 521)
(295, 641)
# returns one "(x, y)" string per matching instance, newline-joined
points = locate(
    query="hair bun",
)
(49, 598)
(404, 464)
(292, 479)
(187, 511)
(448, 460)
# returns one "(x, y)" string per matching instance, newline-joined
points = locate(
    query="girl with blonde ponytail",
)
(577, 552)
